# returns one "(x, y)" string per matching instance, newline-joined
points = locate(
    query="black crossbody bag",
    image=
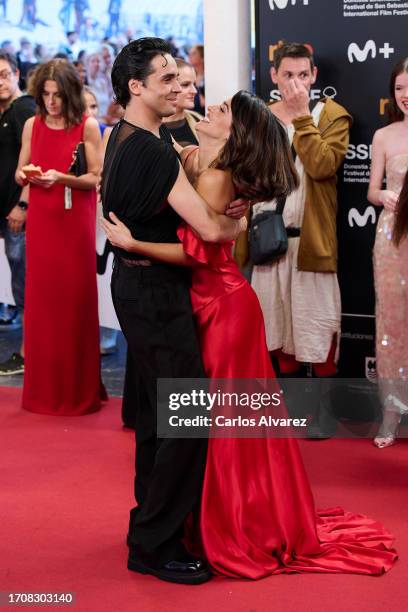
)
(268, 236)
(268, 239)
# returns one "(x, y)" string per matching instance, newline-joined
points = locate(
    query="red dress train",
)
(257, 512)
(61, 328)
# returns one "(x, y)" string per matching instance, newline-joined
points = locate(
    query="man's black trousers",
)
(154, 311)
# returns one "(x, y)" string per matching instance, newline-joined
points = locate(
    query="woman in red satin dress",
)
(62, 363)
(257, 513)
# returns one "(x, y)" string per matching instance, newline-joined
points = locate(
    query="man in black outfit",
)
(145, 186)
(15, 109)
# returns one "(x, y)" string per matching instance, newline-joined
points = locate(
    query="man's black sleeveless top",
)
(138, 174)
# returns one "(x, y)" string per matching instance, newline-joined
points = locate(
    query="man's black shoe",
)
(323, 427)
(13, 365)
(188, 571)
(315, 432)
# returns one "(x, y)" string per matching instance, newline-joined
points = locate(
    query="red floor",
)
(66, 487)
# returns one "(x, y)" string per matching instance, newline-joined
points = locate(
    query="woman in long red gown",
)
(257, 513)
(62, 363)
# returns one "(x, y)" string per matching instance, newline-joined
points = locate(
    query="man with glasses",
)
(15, 109)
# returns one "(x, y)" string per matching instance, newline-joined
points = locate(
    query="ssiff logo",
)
(354, 52)
(282, 4)
(315, 94)
(371, 369)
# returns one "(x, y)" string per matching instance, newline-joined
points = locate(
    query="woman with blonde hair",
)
(182, 125)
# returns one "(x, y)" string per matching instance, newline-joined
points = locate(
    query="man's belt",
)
(134, 263)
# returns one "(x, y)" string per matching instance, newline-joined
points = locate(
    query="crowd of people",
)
(94, 72)
(176, 189)
(299, 293)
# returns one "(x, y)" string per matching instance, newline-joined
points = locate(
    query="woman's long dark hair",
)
(395, 113)
(69, 88)
(257, 152)
(400, 230)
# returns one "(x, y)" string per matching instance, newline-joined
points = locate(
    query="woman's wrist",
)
(134, 246)
(59, 177)
(378, 197)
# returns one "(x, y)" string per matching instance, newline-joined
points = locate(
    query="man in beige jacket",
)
(299, 293)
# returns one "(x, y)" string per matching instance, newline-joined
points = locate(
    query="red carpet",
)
(66, 488)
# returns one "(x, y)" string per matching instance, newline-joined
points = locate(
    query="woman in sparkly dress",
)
(390, 157)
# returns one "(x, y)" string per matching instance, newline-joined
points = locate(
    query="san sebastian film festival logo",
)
(360, 156)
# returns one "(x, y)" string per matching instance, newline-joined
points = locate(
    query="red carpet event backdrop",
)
(355, 44)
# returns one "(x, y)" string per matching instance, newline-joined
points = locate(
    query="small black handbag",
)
(268, 238)
(78, 166)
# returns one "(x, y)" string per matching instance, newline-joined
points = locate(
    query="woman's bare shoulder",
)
(28, 126)
(219, 179)
(91, 126)
(389, 131)
(216, 187)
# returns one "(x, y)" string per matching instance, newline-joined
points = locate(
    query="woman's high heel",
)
(387, 433)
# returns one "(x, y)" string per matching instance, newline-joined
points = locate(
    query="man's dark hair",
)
(11, 59)
(295, 50)
(134, 62)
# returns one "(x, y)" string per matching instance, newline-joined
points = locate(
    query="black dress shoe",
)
(184, 571)
(316, 432)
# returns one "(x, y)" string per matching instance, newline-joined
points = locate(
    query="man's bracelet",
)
(23, 205)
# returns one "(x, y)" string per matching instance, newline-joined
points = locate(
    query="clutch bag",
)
(78, 165)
